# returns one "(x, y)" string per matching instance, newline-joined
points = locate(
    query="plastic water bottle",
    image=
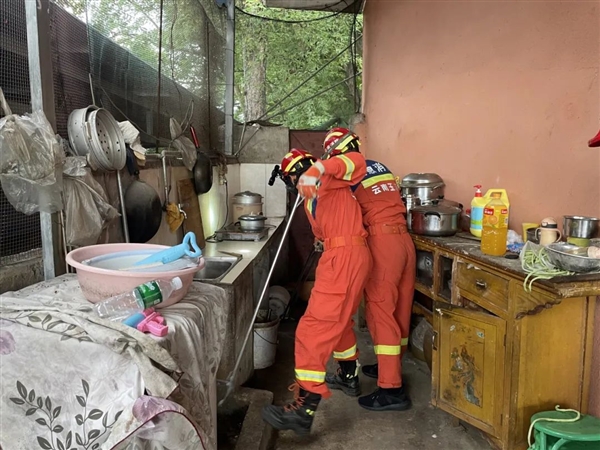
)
(142, 297)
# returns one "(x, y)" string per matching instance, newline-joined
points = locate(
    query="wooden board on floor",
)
(189, 203)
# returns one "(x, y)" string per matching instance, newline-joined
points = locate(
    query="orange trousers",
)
(327, 325)
(389, 295)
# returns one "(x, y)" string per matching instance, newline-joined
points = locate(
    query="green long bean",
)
(538, 267)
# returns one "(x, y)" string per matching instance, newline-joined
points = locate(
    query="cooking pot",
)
(246, 198)
(424, 186)
(246, 203)
(251, 222)
(435, 220)
(580, 227)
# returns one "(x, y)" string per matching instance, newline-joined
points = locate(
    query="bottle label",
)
(150, 294)
(495, 218)
(476, 218)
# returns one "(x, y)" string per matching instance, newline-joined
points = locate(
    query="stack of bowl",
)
(578, 230)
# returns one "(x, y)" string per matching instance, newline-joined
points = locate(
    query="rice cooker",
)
(246, 203)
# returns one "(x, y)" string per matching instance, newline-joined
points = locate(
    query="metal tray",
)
(572, 258)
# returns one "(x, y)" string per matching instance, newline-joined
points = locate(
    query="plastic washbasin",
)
(98, 284)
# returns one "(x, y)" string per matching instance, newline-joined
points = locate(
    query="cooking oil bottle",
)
(495, 226)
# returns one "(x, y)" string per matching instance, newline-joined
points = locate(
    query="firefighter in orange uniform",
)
(390, 288)
(340, 279)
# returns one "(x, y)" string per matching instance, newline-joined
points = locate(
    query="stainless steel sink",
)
(216, 267)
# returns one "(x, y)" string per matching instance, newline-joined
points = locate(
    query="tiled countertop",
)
(247, 249)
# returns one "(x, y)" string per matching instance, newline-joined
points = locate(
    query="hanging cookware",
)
(424, 186)
(203, 175)
(144, 210)
(435, 220)
(251, 222)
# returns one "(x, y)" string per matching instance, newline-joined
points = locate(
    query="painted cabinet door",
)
(470, 366)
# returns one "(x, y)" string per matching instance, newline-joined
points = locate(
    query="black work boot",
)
(371, 370)
(395, 399)
(297, 416)
(345, 378)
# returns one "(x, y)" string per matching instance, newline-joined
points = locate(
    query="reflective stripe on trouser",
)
(389, 295)
(346, 355)
(327, 323)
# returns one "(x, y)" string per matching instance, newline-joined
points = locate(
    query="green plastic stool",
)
(583, 434)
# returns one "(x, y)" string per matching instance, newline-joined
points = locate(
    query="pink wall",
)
(503, 94)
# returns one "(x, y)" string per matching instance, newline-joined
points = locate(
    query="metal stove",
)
(233, 232)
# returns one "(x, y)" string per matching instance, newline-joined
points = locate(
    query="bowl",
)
(99, 284)
(572, 258)
(581, 227)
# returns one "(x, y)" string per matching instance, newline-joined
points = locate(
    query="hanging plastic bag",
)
(183, 144)
(31, 159)
(87, 210)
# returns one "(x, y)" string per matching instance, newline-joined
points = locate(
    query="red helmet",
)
(296, 161)
(339, 140)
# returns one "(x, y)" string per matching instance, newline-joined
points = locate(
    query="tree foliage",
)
(293, 52)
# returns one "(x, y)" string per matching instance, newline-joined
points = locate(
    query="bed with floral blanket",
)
(70, 380)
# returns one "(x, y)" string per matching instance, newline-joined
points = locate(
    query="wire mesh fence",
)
(144, 60)
(20, 236)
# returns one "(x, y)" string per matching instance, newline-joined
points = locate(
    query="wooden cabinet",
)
(501, 353)
(468, 360)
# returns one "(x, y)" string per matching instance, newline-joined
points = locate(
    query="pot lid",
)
(252, 217)
(439, 208)
(421, 180)
(247, 194)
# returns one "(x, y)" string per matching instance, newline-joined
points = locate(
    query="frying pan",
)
(203, 176)
(144, 210)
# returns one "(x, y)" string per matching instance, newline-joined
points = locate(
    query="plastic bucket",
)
(265, 343)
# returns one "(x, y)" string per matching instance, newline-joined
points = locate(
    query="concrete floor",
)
(340, 424)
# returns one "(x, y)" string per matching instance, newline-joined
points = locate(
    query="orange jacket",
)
(335, 212)
(379, 196)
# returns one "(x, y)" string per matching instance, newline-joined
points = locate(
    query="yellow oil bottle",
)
(495, 226)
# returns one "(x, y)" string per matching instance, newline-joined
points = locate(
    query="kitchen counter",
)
(247, 249)
(564, 287)
(500, 352)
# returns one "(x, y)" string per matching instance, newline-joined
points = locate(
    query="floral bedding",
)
(70, 380)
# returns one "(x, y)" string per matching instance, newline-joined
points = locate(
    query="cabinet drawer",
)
(488, 287)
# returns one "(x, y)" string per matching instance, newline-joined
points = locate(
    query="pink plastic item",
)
(99, 284)
(154, 323)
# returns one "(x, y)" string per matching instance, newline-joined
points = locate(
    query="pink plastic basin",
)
(99, 284)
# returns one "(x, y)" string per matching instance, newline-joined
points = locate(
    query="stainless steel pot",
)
(435, 220)
(424, 186)
(251, 222)
(580, 227)
(246, 198)
(410, 202)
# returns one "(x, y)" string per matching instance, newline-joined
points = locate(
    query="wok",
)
(144, 210)
(203, 176)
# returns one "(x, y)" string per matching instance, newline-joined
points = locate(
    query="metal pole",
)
(229, 76)
(232, 375)
(123, 210)
(37, 13)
